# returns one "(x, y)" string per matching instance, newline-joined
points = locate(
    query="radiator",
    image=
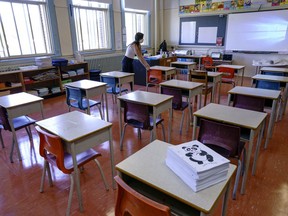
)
(105, 63)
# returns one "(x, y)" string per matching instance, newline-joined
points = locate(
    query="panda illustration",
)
(197, 155)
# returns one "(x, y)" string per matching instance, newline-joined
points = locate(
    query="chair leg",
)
(102, 174)
(181, 124)
(139, 133)
(163, 131)
(46, 167)
(99, 108)
(122, 137)
(236, 180)
(1, 139)
(70, 194)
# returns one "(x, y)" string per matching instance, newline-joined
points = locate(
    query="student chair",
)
(2, 93)
(113, 87)
(177, 103)
(228, 75)
(18, 123)
(52, 150)
(154, 78)
(76, 98)
(202, 77)
(225, 140)
(138, 116)
(208, 64)
(131, 203)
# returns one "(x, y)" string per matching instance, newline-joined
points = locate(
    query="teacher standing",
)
(132, 50)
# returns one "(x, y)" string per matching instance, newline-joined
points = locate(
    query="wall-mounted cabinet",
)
(43, 81)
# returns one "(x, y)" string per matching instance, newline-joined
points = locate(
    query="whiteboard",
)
(188, 32)
(258, 31)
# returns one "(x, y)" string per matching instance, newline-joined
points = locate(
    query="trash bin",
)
(95, 74)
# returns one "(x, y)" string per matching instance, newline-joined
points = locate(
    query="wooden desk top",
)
(271, 78)
(18, 99)
(257, 92)
(149, 98)
(148, 166)
(181, 84)
(162, 68)
(183, 63)
(237, 67)
(275, 69)
(232, 115)
(116, 74)
(73, 125)
(86, 84)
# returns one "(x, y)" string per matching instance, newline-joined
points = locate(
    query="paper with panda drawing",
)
(197, 158)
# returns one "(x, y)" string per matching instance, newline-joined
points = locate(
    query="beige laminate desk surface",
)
(86, 84)
(181, 84)
(149, 98)
(236, 116)
(18, 99)
(275, 69)
(236, 67)
(74, 125)
(162, 68)
(117, 74)
(183, 63)
(148, 166)
(249, 91)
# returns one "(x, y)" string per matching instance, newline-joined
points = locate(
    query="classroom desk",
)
(193, 89)
(261, 64)
(281, 79)
(80, 132)
(17, 105)
(159, 102)
(196, 57)
(238, 68)
(254, 121)
(275, 69)
(167, 71)
(261, 93)
(122, 77)
(92, 88)
(216, 79)
(183, 65)
(146, 172)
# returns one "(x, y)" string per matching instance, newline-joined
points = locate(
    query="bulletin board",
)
(203, 30)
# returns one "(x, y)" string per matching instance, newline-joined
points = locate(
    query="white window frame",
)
(80, 12)
(133, 26)
(26, 39)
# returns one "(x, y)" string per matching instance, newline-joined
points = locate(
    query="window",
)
(25, 29)
(136, 21)
(91, 25)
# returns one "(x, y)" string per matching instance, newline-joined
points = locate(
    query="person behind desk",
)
(132, 50)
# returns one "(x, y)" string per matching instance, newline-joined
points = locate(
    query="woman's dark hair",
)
(138, 36)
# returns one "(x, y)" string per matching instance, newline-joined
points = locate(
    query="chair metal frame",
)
(76, 98)
(51, 149)
(18, 123)
(177, 102)
(202, 77)
(138, 116)
(154, 78)
(218, 136)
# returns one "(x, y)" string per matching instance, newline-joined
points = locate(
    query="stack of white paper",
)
(197, 165)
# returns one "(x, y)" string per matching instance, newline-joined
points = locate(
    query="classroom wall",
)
(171, 24)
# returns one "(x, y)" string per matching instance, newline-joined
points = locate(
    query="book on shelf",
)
(197, 165)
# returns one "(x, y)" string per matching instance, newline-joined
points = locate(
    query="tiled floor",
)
(266, 192)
